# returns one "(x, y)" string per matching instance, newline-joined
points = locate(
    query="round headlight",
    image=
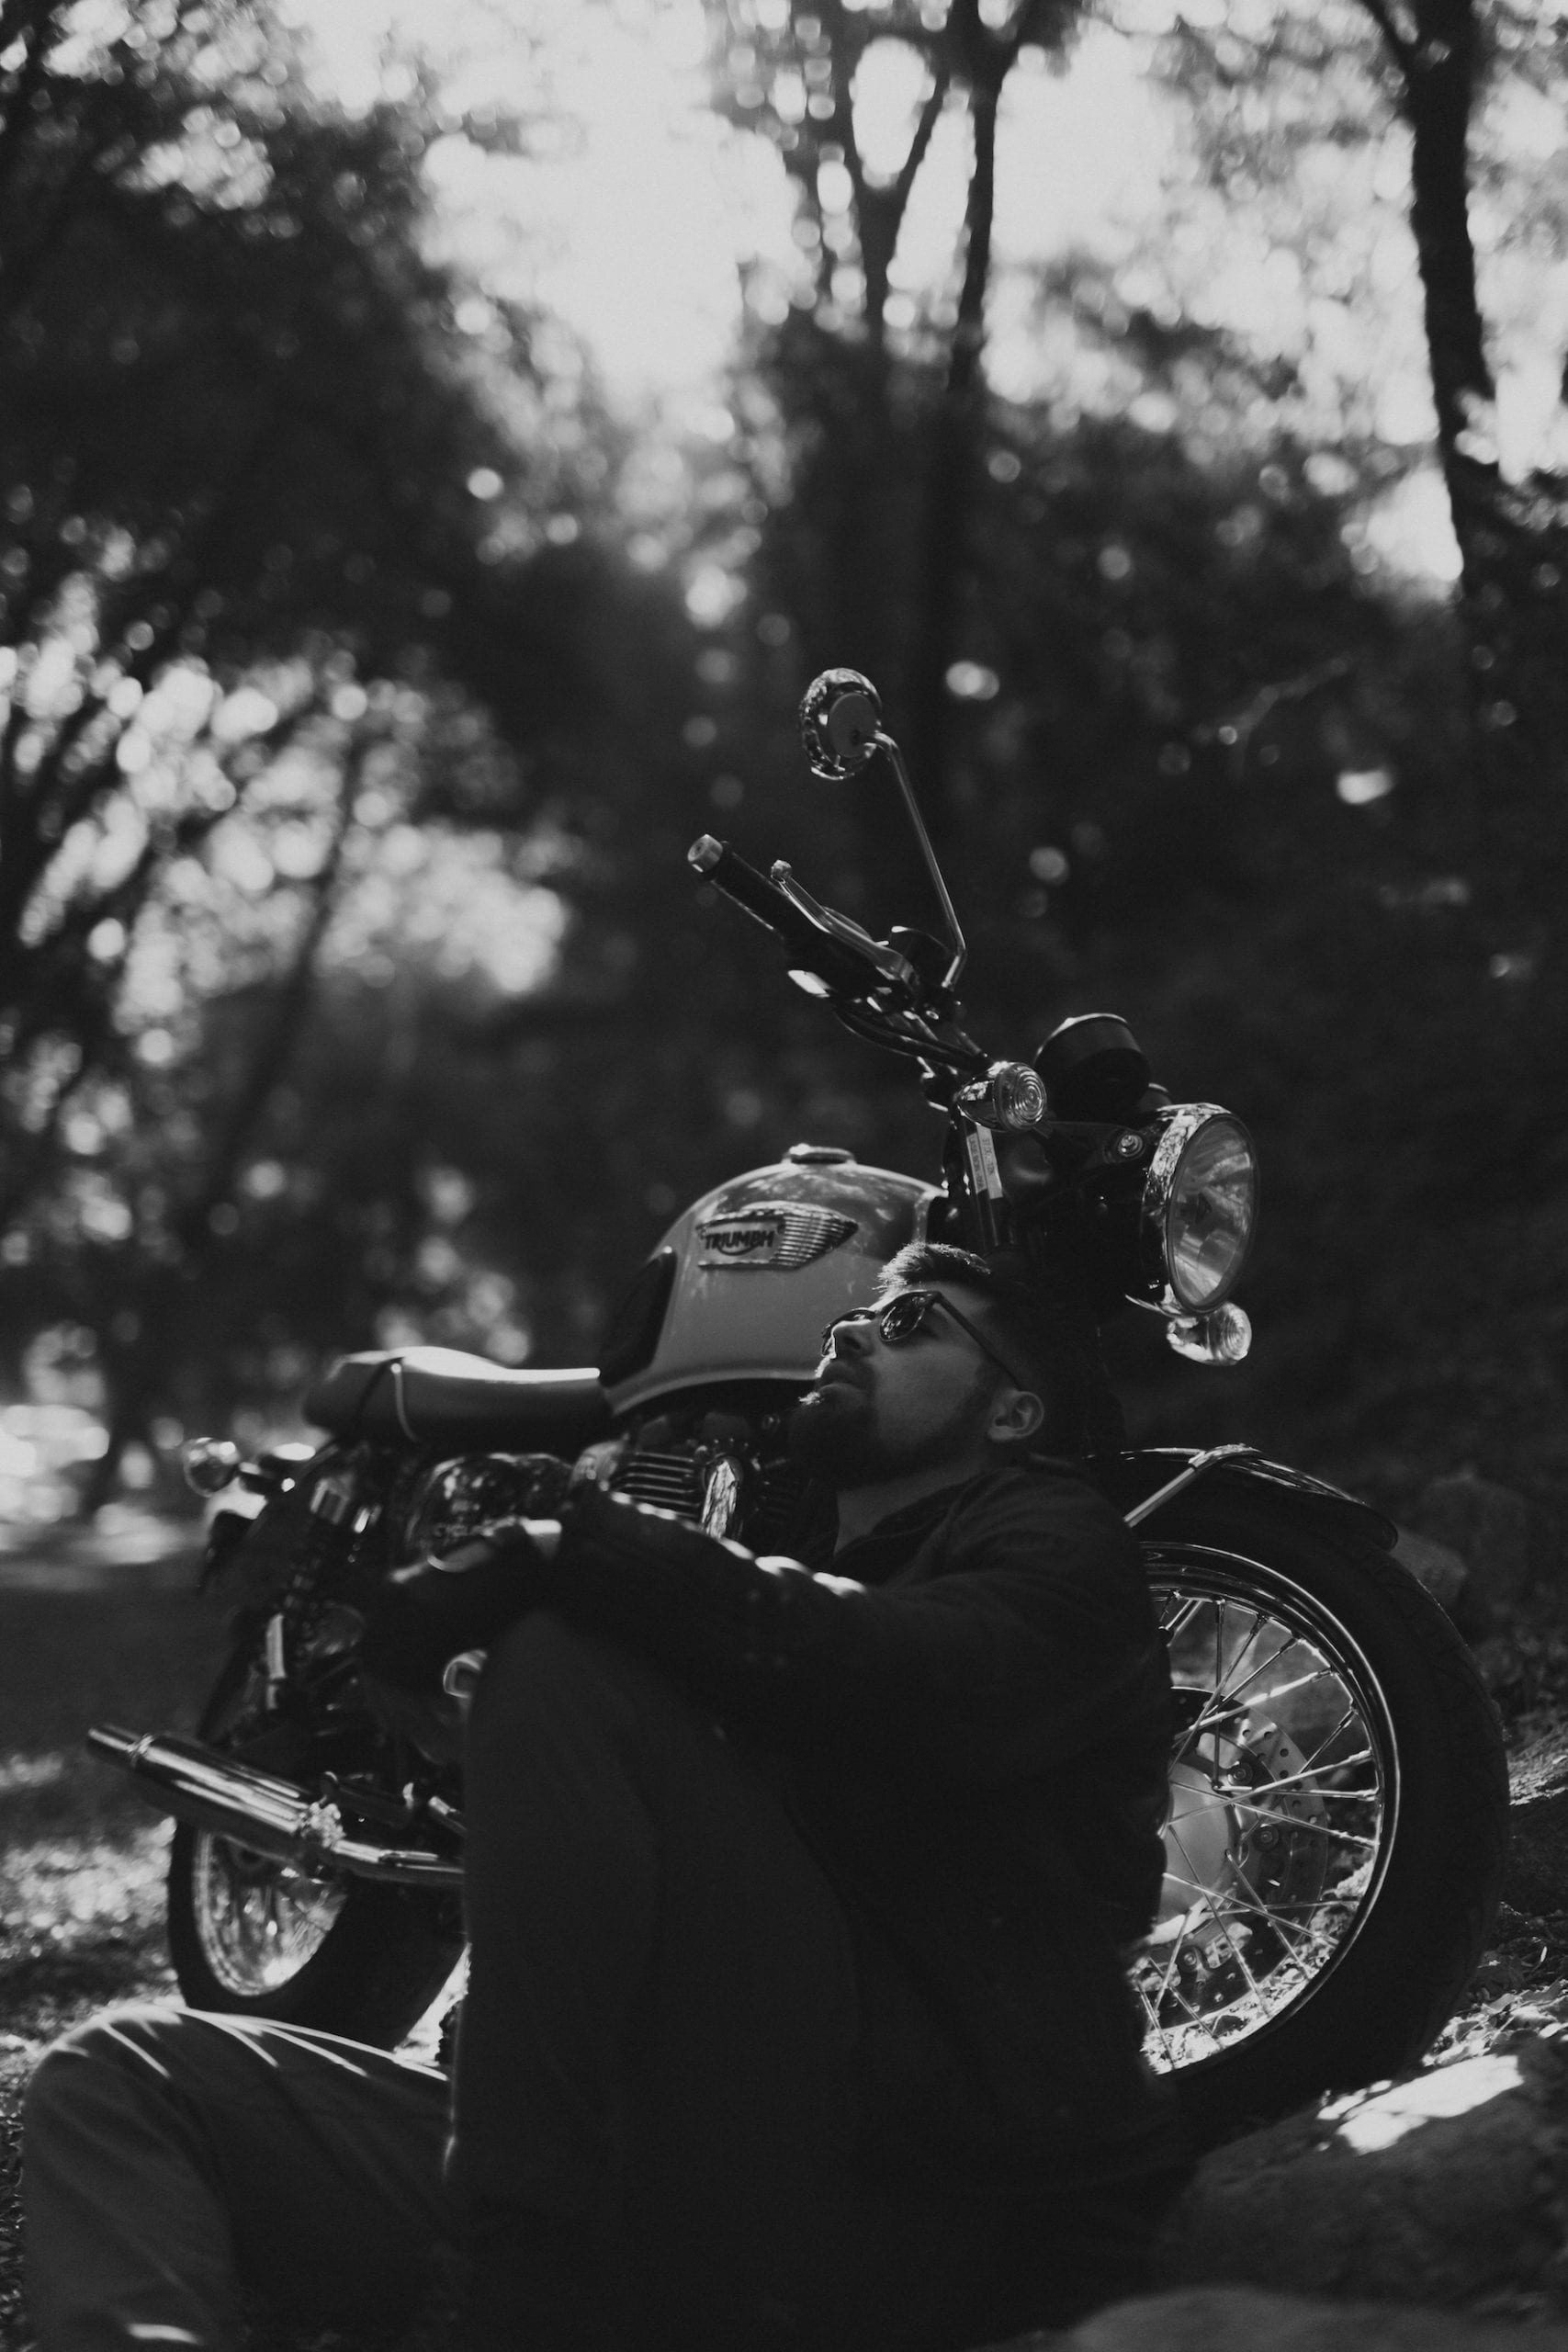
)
(1200, 1206)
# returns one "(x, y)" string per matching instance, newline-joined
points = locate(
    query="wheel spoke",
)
(1224, 1684)
(1167, 1983)
(1350, 1716)
(1267, 1911)
(1224, 1677)
(1220, 1920)
(1151, 2011)
(1290, 1824)
(1237, 1706)
(1171, 1627)
(1300, 1780)
(1193, 1886)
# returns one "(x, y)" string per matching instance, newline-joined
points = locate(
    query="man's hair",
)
(1050, 1339)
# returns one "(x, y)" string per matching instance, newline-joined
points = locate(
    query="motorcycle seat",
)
(418, 1395)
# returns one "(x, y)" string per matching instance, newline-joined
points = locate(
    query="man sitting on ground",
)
(798, 2019)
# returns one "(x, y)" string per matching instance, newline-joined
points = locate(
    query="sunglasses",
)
(909, 1313)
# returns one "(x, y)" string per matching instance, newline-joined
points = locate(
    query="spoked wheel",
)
(1338, 1818)
(254, 1936)
(1284, 1795)
(257, 1923)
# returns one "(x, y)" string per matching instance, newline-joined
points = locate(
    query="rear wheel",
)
(1338, 1811)
(252, 1936)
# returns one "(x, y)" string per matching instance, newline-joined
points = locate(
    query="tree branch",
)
(266, 1070)
(1401, 47)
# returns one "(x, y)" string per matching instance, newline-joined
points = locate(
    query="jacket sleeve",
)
(1032, 1639)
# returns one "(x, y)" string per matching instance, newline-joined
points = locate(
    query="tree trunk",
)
(1513, 540)
(1513, 615)
(1439, 87)
(164, 1299)
(950, 482)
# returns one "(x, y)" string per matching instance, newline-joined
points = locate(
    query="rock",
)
(1537, 1876)
(1437, 1565)
(1409, 2217)
(1241, 2319)
(1538, 1767)
(1493, 1531)
(1443, 2189)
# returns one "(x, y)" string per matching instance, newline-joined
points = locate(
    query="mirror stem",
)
(884, 743)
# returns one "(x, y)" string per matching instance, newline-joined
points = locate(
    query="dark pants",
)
(656, 2094)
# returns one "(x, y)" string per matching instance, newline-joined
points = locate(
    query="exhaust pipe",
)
(256, 1809)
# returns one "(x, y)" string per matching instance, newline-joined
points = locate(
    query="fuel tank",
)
(742, 1285)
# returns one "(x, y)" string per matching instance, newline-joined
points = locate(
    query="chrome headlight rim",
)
(1179, 1125)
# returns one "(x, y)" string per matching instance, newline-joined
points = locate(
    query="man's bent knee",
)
(544, 1660)
(126, 2043)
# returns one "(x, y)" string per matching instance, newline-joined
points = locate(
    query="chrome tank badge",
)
(781, 1234)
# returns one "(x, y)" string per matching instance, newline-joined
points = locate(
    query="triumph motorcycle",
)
(1336, 1822)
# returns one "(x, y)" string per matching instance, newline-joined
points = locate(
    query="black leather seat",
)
(439, 1396)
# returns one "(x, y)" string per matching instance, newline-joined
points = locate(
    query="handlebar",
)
(841, 967)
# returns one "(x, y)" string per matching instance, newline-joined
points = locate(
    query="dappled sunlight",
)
(450, 901)
(1080, 152)
(41, 1444)
(1412, 529)
(31, 1771)
(80, 1897)
(1377, 2118)
(890, 84)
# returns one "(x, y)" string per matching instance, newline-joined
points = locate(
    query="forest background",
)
(368, 666)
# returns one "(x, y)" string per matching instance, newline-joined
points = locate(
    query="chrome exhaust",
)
(258, 1810)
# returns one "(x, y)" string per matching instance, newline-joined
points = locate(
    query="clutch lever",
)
(892, 967)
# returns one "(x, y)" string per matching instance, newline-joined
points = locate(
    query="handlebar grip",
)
(805, 944)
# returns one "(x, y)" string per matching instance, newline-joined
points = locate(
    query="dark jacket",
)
(970, 1715)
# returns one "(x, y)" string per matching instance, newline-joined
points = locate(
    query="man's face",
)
(878, 1411)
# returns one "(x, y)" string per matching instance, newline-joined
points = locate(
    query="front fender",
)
(1128, 1479)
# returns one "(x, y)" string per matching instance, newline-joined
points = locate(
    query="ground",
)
(81, 1857)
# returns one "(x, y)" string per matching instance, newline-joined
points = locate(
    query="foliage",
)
(272, 514)
(1284, 98)
(894, 383)
(363, 993)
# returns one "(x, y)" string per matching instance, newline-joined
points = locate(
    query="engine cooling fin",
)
(780, 1510)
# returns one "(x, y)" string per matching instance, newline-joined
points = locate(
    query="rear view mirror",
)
(840, 724)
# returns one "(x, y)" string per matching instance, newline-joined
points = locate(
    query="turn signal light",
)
(1011, 1095)
(1223, 1337)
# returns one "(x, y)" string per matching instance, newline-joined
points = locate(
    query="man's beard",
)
(836, 1442)
(838, 1439)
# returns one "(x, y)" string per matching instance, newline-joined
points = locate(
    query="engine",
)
(457, 1497)
(726, 1472)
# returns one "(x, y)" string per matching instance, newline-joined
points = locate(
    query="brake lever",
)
(887, 960)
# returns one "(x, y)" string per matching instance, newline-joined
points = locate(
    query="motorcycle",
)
(1337, 1817)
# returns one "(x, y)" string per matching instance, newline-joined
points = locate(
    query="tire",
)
(252, 1938)
(1336, 1833)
